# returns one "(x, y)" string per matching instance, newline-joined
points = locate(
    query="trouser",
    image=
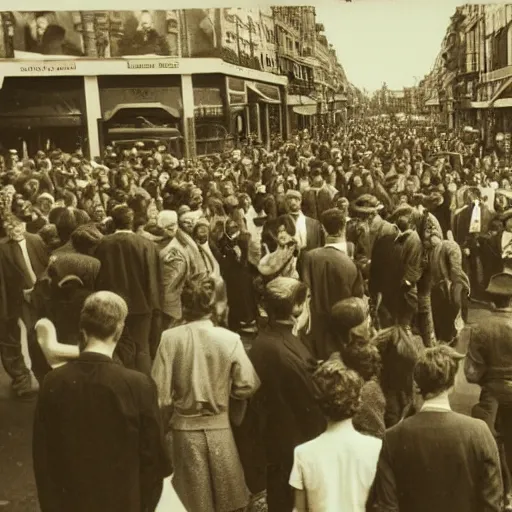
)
(280, 496)
(139, 341)
(425, 320)
(499, 420)
(12, 356)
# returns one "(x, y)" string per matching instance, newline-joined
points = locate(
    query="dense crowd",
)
(274, 327)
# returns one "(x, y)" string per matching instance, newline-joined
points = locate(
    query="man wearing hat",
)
(489, 364)
(367, 207)
(309, 231)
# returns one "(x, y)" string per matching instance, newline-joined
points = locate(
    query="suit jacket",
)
(130, 267)
(13, 272)
(331, 276)
(462, 219)
(285, 406)
(454, 466)
(315, 236)
(98, 439)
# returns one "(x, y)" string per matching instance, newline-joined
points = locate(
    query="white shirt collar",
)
(125, 231)
(438, 403)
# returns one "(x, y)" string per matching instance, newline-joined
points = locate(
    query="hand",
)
(466, 251)
(27, 295)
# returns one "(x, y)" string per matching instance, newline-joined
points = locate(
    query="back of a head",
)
(86, 238)
(68, 221)
(103, 316)
(198, 297)
(333, 221)
(282, 295)
(436, 369)
(122, 217)
(347, 314)
(339, 390)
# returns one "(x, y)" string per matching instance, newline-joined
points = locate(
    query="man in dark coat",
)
(309, 231)
(489, 364)
(24, 260)
(284, 408)
(397, 266)
(469, 224)
(130, 267)
(331, 276)
(98, 438)
(454, 466)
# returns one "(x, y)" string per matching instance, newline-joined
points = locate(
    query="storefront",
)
(302, 111)
(42, 113)
(89, 101)
(256, 108)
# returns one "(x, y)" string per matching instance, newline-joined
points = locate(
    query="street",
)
(17, 487)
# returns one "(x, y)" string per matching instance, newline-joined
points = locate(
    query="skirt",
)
(208, 474)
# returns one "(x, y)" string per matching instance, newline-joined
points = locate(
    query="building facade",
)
(201, 78)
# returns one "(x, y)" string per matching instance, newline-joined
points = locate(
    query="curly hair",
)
(198, 297)
(339, 390)
(363, 359)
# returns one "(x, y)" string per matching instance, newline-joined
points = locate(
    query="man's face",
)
(41, 25)
(171, 229)
(293, 204)
(202, 234)
(45, 205)
(146, 22)
(187, 224)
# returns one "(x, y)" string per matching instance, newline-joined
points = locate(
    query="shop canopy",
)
(300, 100)
(305, 110)
(40, 109)
(125, 111)
(265, 93)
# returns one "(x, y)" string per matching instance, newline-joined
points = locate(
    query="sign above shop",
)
(134, 66)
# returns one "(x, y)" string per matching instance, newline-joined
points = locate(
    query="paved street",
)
(17, 489)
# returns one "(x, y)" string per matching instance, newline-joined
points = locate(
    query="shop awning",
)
(500, 91)
(265, 93)
(305, 110)
(432, 102)
(479, 104)
(503, 103)
(140, 109)
(24, 109)
(294, 99)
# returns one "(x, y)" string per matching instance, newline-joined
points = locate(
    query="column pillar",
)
(258, 120)
(93, 114)
(189, 125)
(267, 126)
(247, 121)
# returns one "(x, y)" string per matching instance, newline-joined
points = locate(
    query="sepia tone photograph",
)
(256, 258)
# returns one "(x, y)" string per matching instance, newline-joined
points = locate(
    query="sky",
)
(379, 41)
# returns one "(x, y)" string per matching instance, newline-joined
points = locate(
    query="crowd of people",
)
(275, 327)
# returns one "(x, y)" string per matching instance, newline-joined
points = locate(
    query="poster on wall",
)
(142, 33)
(89, 34)
(46, 33)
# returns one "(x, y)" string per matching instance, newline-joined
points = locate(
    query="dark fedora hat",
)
(366, 203)
(500, 284)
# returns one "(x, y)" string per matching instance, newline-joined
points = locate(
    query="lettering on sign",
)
(57, 67)
(153, 65)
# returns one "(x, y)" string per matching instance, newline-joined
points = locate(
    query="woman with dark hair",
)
(284, 412)
(201, 371)
(335, 471)
(399, 350)
(351, 324)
